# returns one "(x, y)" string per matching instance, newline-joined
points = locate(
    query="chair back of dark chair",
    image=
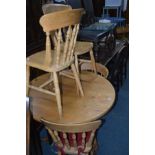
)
(118, 66)
(88, 6)
(75, 3)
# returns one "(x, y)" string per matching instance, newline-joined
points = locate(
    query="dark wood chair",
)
(118, 66)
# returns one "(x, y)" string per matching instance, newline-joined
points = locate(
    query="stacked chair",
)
(81, 47)
(62, 56)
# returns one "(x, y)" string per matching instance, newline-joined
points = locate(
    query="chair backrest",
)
(58, 22)
(114, 3)
(49, 8)
(116, 65)
(60, 1)
(76, 137)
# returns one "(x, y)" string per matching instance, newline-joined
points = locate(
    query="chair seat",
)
(83, 47)
(38, 60)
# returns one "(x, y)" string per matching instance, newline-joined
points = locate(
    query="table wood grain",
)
(98, 100)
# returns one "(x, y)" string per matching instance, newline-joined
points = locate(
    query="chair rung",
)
(41, 90)
(45, 83)
(84, 60)
(67, 75)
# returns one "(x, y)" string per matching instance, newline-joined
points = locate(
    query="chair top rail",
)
(75, 128)
(61, 19)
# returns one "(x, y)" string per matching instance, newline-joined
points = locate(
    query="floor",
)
(113, 136)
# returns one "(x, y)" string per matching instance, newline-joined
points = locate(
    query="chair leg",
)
(117, 12)
(77, 79)
(59, 152)
(57, 92)
(77, 68)
(27, 79)
(107, 15)
(77, 63)
(91, 152)
(93, 61)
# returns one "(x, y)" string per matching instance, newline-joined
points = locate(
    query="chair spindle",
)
(74, 140)
(89, 143)
(83, 139)
(66, 43)
(58, 47)
(48, 56)
(66, 140)
(74, 40)
(58, 138)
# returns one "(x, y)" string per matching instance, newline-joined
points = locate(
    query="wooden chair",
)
(62, 57)
(73, 138)
(81, 47)
(100, 69)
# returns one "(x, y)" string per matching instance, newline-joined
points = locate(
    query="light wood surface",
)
(81, 48)
(61, 19)
(100, 69)
(99, 98)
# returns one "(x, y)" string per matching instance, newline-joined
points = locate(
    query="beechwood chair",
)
(62, 56)
(78, 139)
(81, 47)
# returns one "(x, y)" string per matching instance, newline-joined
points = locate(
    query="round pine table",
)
(98, 100)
